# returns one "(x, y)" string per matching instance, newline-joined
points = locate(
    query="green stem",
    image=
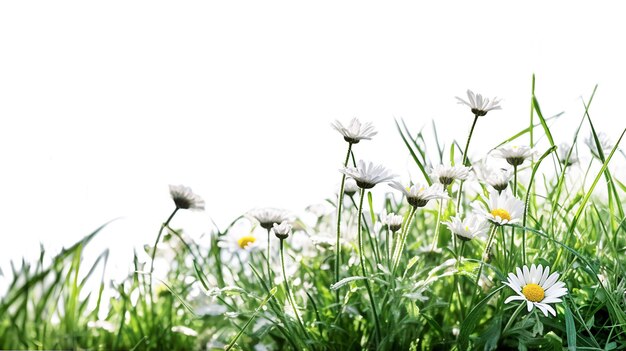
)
(469, 138)
(288, 290)
(400, 245)
(513, 229)
(388, 246)
(362, 261)
(437, 226)
(513, 316)
(482, 262)
(339, 207)
(269, 266)
(153, 255)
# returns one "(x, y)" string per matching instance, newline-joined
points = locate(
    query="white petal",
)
(544, 276)
(529, 305)
(514, 298)
(526, 274)
(551, 280)
(520, 276)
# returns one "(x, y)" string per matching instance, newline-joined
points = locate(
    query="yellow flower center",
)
(246, 240)
(502, 213)
(533, 292)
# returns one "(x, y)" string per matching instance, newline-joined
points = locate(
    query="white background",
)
(103, 104)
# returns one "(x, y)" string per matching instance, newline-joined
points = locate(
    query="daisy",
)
(267, 217)
(515, 155)
(181, 329)
(185, 199)
(566, 150)
(240, 242)
(367, 175)
(350, 188)
(504, 208)
(448, 174)
(497, 178)
(537, 287)
(605, 144)
(102, 324)
(469, 228)
(282, 230)
(479, 105)
(355, 131)
(392, 220)
(418, 195)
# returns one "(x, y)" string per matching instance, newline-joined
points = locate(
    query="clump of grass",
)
(348, 281)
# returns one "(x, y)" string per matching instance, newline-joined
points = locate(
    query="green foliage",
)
(430, 294)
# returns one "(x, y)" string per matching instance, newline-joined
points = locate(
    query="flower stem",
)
(482, 262)
(288, 290)
(513, 316)
(338, 243)
(469, 138)
(153, 255)
(438, 225)
(362, 261)
(400, 245)
(513, 230)
(269, 267)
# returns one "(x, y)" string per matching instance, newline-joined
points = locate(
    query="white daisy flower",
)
(605, 144)
(282, 230)
(537, 287)
(469, 228)
(355, 131)
(448, 174)
(184, 330)
(367, 175)
(240, 242)
(564, 152)
(497, 178)
(504, 208)
(101, 324)
(480, 105)
(267, 217)
(515, 155)
(392, 220)
(418, 195)
(350, 188)
(185, 199)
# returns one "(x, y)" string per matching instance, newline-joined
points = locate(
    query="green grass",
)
(429, 301)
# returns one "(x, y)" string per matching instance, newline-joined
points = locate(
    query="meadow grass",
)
(420, 288)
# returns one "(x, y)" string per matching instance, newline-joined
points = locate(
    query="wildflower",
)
(479, 105)
(267, 217)
(567, 155)
(537, 287)
(367, 175)
(469, 228)
(515, 155)
(496, 178)
(350, 188)
(446, 175)
(185, 199)
(101, 324)
(418, 195)
(503, 208)
(355, 131)
(605, 144)
(240, 242)
(392, 220)
(184, 330)
(282, 230)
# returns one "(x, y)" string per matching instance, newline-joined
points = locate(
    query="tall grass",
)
(448, 297)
